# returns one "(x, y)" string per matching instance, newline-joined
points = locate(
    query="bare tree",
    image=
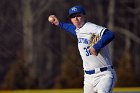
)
(110, 24)
(27, 29)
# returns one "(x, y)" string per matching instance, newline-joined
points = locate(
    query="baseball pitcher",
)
(99, 73)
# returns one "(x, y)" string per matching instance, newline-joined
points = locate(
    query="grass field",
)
(116, 90)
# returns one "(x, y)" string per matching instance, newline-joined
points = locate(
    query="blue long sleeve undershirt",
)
(68, 27)
(107, 37)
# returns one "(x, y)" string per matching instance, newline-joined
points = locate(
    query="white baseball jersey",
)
(84, 35)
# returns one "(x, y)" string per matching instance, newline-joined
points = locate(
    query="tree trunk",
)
(110, 25)
(27, 31)
(28, 42)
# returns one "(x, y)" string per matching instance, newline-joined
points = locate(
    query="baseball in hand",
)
(51, 19)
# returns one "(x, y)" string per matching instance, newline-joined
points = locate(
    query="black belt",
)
(101, 70)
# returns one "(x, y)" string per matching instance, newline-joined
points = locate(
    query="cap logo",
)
(74, 9)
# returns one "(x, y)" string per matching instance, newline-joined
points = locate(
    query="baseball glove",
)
(94, 39)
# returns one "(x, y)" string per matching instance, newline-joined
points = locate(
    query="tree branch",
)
(128, 34)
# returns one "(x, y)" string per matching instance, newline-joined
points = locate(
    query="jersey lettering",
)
(82, 40)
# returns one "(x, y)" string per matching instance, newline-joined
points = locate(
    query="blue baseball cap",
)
(76, 9)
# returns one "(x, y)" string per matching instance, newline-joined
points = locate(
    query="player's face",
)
(78, 20)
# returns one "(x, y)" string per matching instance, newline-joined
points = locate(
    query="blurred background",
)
(37, 55)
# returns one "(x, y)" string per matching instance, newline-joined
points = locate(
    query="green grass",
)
(116, 90)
